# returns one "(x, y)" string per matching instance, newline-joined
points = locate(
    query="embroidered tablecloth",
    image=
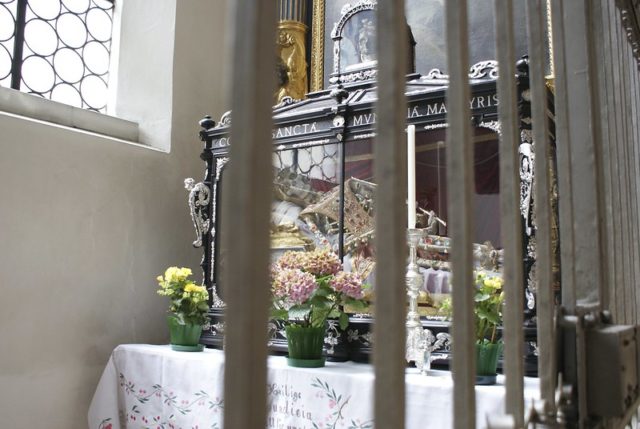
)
(147, 386)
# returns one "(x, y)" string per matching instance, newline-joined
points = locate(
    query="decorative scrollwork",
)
(199, 197)
(436, 74)
(225, 120)
(484, 69)
(286, 101)
(332, 338)
(354, 77)
(220, 163)
(527, 168)
(366, 339)
(491, 125)
(217, 328)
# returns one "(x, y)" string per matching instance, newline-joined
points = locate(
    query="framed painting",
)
(426, 20)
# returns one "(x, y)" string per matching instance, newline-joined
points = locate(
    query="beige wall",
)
(86, 224)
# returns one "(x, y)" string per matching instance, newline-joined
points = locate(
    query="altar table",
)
(147, 386)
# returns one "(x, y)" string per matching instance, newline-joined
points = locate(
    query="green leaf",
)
(279, 313)
(480, 297)
(344, 321)
(356, 304)
(299, 311)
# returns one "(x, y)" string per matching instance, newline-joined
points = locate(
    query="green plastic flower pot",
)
(487, 355)
(184, 337)
(305, 346)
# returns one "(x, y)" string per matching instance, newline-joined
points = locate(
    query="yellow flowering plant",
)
(188, 300)
(488, 299)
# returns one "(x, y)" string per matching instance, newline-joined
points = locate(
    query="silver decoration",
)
(333, 336)
(309, 143)
(484, 69)
(217, 328)
(534, 347)
(436, 74)
(347, 11)
(364, 136)
(365, 339)
(199, 197)
(225, 120)
(492, 125)
(527, 168)
(436, 126)
(432, 343)
(286, 101)
(413, 280)
(354, 77)
(220, 163)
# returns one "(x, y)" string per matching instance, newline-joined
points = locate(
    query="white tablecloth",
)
(146, 386)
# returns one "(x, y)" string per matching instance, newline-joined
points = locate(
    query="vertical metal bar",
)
(635, 92)
(563, 157)
(622, 190)
(248, 216)
(460, 180)
(18, 45)
(615, 89)
(606, 226)
(583, 143)
(510, 224)
(609, 142)
(544, 262)
(390, 172)
(631, 70)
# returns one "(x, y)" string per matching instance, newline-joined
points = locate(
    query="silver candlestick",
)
(416, 340)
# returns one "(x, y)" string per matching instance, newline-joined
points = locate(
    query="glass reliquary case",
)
(324, 192)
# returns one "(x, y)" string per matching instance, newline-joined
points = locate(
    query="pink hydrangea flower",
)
(349, 284)
(322, 262)
(294, 284)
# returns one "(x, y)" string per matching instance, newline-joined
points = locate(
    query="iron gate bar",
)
(460, 179)
(542, 203)
(563, 158)
(636, 171)
(614, 89)
(510, 220)
(247, 216)
(625, 181)
(620, 162)
(18, 45)
(389, 164)
(608, 136)
(631, 72)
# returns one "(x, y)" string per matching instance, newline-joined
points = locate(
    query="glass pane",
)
(66, 51)
(306, 207)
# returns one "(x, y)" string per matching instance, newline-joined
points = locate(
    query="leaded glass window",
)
(57, 49)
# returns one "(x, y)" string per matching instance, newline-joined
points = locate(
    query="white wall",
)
(86, 224)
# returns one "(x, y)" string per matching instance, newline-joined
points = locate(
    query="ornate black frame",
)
(336, 116)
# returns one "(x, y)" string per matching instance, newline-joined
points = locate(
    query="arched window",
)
(57, 49)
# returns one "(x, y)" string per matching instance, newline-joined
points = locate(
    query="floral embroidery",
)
(105, 424)
(181, 406)
(337, 404)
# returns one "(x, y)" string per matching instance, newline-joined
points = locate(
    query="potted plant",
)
(487, 310)
(307, 288)
(188, 309)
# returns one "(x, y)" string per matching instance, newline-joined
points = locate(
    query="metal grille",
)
(57, 49)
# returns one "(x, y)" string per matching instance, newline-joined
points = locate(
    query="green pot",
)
(183, 336)
(305, 346)
(487, 355)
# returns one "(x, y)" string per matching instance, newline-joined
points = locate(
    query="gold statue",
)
(292, 59)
